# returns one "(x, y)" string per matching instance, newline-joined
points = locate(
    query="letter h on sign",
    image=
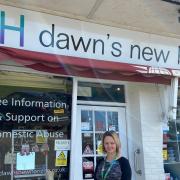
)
(3, 27)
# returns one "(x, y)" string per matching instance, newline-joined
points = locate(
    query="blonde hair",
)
(116, 139)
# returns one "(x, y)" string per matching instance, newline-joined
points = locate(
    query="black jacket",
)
(125, 168)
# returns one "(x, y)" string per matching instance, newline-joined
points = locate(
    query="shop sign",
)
(61, 158)
(62, 144)
(61, 36)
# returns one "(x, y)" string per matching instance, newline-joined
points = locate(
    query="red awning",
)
(84, 67)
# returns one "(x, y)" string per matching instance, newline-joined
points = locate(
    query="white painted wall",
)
(146, 102)
(151, 124)
(134, 128)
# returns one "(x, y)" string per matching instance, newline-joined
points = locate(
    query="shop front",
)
(63, 83)
(35, 126)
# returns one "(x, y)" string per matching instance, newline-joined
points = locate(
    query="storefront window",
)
(101, 92)
(35, 129)
(171, 145)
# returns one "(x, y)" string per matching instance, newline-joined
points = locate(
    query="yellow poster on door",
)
(61, 158)
(99, 148)
(165, 154)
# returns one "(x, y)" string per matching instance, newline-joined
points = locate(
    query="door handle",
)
(137, 161)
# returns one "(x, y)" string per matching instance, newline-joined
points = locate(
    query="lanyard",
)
(103, 173)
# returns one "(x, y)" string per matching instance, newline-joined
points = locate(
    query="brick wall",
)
(151, 126)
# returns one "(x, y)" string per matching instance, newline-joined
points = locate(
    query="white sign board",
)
(63, 36)
(25, 162)
(61, 144)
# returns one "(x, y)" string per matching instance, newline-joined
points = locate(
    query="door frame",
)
(122, 123)
(75, 163)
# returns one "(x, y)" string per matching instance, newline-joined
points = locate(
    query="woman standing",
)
(114, 166)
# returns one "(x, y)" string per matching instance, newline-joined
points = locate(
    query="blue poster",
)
(25, 162)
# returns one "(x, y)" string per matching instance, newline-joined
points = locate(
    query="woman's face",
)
(109, 145)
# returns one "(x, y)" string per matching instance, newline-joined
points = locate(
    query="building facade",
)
(64, 82)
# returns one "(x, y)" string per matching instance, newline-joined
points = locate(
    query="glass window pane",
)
(99, 147)
(87, 144)
(172, 152)
(88, 167)
(86, 120)
(172, 131)
(112, 121)
(101, 92)
(100, 121)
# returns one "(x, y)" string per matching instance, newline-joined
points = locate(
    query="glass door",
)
(95, 120)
